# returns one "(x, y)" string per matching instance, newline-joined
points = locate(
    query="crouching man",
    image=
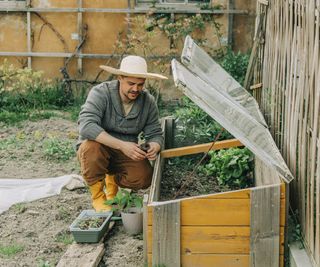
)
(111, 119)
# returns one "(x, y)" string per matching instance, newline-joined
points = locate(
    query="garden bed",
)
(178, 171)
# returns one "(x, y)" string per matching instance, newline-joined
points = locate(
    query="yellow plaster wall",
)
(103, 30)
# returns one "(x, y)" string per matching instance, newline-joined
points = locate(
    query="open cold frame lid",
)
(208, 85)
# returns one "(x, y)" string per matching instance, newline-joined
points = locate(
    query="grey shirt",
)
(103, 111)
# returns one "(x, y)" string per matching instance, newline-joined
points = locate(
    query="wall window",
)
(173, 1)
(12, 3)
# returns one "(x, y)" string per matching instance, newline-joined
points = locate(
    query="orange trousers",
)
(97, 160)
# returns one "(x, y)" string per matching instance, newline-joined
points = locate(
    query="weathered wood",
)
(83, 255)
(29, 37)
(156, 179)
(80, 37)
(157, 169)
(254, 52)
(16, 8)
(166, 235)
(170, 125)
(265, 226)
(145, 229)
(290, 101)
(264, 175)
(189, 150)
(256, 86)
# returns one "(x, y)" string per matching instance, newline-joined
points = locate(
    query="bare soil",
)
(41, 228)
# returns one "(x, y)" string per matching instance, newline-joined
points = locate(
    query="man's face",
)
(130, 87)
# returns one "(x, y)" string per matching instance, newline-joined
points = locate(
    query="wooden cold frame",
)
(234, 229)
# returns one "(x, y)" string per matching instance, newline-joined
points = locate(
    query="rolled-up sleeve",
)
(91, 114)
(152, 130)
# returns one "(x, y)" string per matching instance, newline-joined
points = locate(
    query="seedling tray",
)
(90, 235)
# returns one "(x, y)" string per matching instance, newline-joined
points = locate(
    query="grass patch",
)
(44, 263)
(64, 237)
(19, 208)
(59, 150)
(11, 250)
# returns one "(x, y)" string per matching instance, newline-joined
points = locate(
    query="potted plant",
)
(130, 207)
(90, 226)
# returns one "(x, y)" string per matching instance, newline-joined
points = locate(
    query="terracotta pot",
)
(132, 220)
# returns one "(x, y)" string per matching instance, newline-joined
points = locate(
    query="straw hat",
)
(133, 66)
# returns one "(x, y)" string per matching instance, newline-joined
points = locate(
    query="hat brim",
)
(137, 75)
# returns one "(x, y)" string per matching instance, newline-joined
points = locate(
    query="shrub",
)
(196, 126)
(235, 64)
(232, 167)
(24, 89)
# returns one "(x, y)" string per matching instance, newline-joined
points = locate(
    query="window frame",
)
(165, 2)
(12, 3)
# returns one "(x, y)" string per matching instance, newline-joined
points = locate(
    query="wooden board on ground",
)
(84, 255)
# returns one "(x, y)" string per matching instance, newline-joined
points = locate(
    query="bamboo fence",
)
(288, 68)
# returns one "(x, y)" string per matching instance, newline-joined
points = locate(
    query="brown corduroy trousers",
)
(97, 160)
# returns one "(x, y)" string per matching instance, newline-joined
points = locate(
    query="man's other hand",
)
(133, 151)
(153, 150)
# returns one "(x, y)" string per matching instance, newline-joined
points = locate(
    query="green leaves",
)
(196, 126)
(125, 200)
(236, 64)
(60, 150)
(233, 167)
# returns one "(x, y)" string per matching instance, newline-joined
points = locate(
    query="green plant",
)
(196, 126)
(91, 222)
(64, 237)
(294, 229)
(59, 150)
(11, 250)
(63, 214)
(44, 263)
(232, 167)
(125, 200)
(235, 64)
(20, 208)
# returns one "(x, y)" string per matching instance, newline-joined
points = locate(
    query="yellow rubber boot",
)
(98, 197)
(111, 187)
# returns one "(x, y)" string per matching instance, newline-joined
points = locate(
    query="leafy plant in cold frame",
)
(232, 167)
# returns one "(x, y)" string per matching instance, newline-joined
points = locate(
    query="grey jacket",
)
(103, 111)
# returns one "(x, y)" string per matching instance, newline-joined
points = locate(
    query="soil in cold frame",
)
(177, 170)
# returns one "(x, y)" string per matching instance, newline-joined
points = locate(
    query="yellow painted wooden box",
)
(231, 229)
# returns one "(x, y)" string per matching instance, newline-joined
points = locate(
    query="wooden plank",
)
(84, 254)
(145, 229)
(265, 230)
(166, 235)
(238, 194)
(215, 240)
(256, 86)
(123, 10)
(210, 260)
(156, 179)
(80, 36)
(264, 175)
(157, 170)
(189, 150)
(217, 212)
(213, 212)
(29, 37)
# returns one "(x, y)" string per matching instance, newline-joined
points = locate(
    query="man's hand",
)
(153, 150)
(133, 151)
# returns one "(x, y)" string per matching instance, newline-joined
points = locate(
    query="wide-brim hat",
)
(133, 66)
